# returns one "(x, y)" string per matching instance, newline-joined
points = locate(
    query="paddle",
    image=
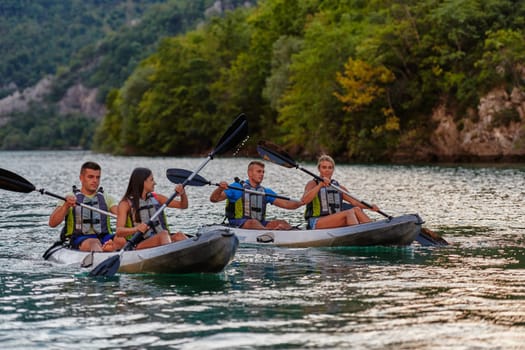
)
(275, 154)
(236, 133)
(177, 176)
(13, 182)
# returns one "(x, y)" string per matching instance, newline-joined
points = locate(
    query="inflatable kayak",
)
(207, 252)
(397, 231)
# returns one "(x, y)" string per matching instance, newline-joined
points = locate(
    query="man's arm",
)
(111, 203)
(288, 204)
(58, 215)
(218, 194)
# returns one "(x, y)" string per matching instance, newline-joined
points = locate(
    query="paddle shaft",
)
(319, 178)
(425, 237)
(11, 181)
(239, 125)
(247, 190)
(236, 131)
(255, 192)
(172, 197)
(42, 191)
(132, 241)
(272, 152)
(179, 175)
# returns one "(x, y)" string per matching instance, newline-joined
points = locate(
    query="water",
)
(469, 295)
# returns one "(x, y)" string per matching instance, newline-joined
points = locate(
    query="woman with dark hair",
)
(139, 204)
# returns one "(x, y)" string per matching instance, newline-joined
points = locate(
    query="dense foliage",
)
(357, 79)
(97, 43)
(42, 129)
(107, 63)
(40, 36)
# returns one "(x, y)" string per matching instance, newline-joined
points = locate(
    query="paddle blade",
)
(178, 176)
(13, 182)
(236, 133)
(107, 268)
(275, 154)
(429, 238)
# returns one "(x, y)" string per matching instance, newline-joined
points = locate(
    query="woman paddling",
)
(139, 204)
(324, 204)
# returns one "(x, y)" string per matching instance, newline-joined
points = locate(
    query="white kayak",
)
(398, 231)
(209, 252)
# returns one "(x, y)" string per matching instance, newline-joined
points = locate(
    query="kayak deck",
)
(397, 231)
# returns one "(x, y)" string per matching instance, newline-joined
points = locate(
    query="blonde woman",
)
(324, 203)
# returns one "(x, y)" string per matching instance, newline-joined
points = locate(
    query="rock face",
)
(81, 100)
(77, 100)
(20, 101)
(496, 132)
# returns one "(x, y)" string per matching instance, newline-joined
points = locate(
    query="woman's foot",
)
(108, 246)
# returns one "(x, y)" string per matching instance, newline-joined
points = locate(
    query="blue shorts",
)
(76, 240)
(312, 222)
(240, 222)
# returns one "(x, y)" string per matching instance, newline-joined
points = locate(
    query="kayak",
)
(397, 231)
(207, 252)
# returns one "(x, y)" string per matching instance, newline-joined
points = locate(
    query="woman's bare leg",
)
(361, 216)
(253, 224)
(351, 217)
(90, 245)
(119, 242)
(343, 218)
(178, 236)
(278, 225)
(116, 243)
(160, 238)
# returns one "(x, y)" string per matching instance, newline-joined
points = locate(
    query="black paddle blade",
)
(178, 176)
(14, 182)
(275, 154)
(236, 133)
(429, 238)
(107, 268)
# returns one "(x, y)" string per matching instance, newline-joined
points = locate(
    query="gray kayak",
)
(207, 252)
(398, 231)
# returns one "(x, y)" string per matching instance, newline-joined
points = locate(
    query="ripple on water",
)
(464, 296)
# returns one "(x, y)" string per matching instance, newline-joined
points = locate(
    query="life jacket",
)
(83, 221)
(147, 208)
(328, 201)
(249, 205)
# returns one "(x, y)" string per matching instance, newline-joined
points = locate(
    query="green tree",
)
(310, 113)
(503, 58)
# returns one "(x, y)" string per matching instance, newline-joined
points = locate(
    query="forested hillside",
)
(40, 36)
(89, 47)
(362, 80)
(358, 79)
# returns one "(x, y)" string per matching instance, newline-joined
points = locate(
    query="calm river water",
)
(469, 295)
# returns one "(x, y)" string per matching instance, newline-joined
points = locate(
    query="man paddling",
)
(86, 229)
(248, 209)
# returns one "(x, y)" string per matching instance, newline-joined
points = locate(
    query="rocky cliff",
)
(20, 101)
(77, 100)
(493, 132)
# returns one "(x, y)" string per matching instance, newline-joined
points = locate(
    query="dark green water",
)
(469, 295)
